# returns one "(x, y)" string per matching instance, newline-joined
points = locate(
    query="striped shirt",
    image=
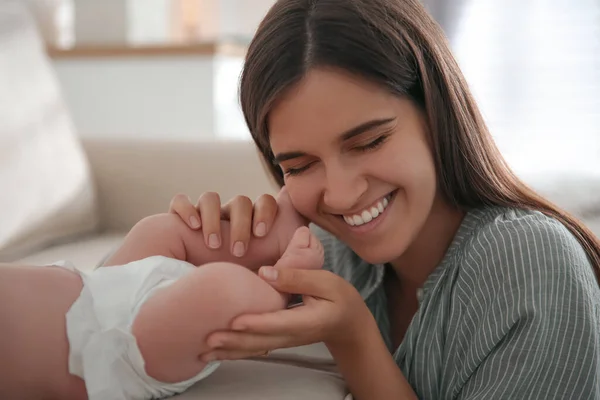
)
(511, 312)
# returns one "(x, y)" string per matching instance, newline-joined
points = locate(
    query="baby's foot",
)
(304, 251)
(288, 220)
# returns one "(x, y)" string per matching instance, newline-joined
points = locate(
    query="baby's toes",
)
(316, 254)
(301, 239)
(315, 243)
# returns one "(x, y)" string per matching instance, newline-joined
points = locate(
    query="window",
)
(534, 67)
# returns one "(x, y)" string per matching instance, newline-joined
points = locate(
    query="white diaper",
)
(103, 351)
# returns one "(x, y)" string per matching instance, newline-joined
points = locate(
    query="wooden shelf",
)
(192, 49)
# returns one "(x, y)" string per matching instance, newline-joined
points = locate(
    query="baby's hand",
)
(304, 251)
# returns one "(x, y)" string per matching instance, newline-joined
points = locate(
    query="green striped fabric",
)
(511, 312)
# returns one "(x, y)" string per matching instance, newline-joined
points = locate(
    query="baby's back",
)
(33, 344)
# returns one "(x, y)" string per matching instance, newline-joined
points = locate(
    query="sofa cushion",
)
(86, 253)
(47, 189)
(268, 380)
(137, 177)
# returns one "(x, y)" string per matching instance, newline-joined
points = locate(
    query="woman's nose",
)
(343, 189)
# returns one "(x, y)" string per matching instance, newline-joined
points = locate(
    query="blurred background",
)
(171, 67)
(108, 108)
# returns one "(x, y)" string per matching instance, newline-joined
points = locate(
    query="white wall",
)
(241, 17)
(185, 97)
(92, 19)
(148, 21)
(534, 68)
(229, 120)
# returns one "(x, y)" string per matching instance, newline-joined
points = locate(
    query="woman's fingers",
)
(239, 210)
(289, 322)
(246, 219)
(209, 205)
(247, 343)
(265, 211)
(182, 206)
(308, 282)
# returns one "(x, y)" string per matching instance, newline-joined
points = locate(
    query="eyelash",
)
(367, 147)
(372, 145)
(296, 171)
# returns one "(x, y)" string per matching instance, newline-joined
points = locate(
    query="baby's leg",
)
(172, 326)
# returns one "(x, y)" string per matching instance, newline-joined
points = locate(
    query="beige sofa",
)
(66, 198)
(135, 179)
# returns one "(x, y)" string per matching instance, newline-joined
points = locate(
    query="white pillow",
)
(47, 191)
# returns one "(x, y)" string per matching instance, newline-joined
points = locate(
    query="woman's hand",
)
(333, 312)
(246, 219)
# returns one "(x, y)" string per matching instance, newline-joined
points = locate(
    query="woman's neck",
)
(430, 246)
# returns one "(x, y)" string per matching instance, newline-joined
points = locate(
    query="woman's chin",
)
(377, 255)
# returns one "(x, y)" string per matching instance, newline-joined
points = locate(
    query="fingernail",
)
(238, 249)
(269, 273)
(213, 241)
(194, 222)
(261, 229)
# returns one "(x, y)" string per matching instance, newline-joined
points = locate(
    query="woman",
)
(474, 287)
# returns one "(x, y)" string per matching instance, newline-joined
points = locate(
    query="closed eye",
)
(373, 144)
(297, 171)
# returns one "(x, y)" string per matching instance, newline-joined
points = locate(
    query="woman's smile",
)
(367, 219)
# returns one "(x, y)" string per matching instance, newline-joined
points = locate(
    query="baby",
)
(136, 327)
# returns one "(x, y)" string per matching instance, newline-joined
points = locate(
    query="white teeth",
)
(375, 212)
(367, 215)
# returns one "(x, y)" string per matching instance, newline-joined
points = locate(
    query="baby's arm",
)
(167, 235)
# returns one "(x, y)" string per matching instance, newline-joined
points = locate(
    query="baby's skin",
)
(170, 328)
(171, 336)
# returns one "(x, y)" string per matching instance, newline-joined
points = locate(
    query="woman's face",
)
(356, 161)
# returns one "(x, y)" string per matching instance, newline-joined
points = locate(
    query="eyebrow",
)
(349, 134)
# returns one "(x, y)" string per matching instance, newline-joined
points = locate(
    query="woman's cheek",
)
(304, 198)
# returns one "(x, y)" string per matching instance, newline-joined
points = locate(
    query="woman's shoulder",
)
(508, 244)
(527, 302)
(521, 232)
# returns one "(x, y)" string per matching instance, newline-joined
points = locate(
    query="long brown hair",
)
(396, 44)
